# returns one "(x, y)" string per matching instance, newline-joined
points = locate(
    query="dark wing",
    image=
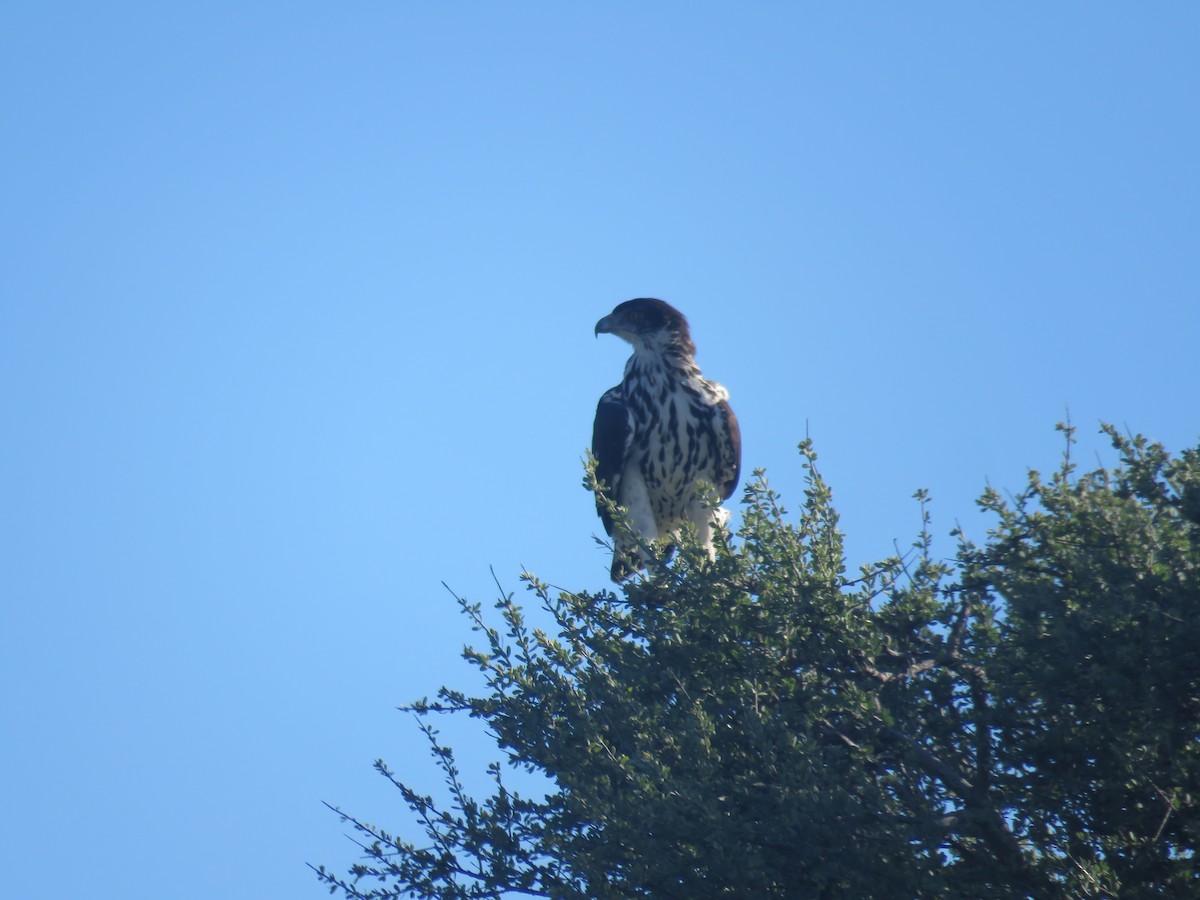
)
(610, 442)
(732, 463)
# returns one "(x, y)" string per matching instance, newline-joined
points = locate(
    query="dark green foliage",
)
(1098, 720)
(1022, 721)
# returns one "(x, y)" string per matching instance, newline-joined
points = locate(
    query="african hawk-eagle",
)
(661, 433)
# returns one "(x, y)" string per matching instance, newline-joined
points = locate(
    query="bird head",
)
(649, 325)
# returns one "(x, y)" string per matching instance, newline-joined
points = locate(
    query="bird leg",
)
(706, 513)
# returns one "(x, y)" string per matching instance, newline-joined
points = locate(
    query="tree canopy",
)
(1019, 720)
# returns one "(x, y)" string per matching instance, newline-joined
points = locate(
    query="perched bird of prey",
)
(661, 432)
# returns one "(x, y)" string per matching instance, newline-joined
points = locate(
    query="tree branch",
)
(993, 827)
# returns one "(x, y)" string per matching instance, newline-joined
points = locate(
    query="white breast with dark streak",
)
(675, 438)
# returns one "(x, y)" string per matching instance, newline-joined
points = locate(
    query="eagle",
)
(662, 434)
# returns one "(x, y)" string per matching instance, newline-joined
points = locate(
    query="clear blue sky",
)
(296, 308)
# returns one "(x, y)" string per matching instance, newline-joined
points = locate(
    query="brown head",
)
(649, 325)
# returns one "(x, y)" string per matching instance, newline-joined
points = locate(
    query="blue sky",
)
(296, 308)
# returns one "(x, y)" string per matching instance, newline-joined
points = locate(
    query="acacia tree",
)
(1020, 721)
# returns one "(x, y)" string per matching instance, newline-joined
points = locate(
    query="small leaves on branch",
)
(1020, 721)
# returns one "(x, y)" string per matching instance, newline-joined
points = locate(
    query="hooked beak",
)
(604, 326)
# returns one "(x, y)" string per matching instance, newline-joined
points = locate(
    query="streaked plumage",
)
(662, 431)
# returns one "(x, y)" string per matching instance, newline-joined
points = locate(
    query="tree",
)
(1020, 721)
